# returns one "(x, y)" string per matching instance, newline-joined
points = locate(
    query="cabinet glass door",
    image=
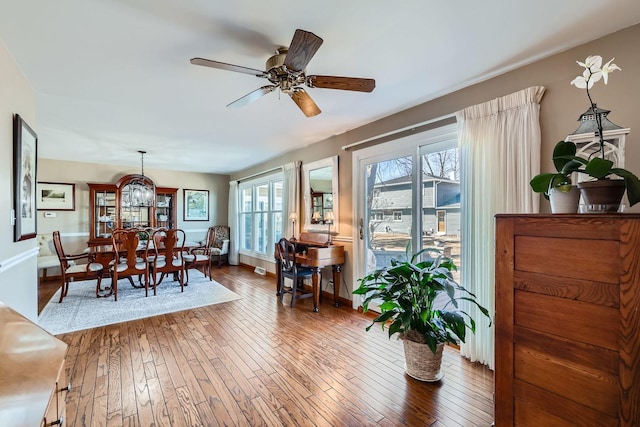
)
(133, 216)
(164, 210)
(105, 214)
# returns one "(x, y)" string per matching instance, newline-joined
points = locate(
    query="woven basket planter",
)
(421, 363)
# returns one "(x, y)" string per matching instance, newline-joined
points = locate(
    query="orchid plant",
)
(593, 72)
(597, 167)
(564, 153)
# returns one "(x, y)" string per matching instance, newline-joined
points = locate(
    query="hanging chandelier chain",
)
(142, 160)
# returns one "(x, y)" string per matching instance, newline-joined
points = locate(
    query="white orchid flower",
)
(588, 78)
(580, 82)
(593, 62)
(609, 68)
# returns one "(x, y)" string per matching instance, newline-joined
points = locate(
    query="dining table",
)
(105, 254)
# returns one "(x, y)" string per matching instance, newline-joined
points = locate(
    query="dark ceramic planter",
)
(603, 192)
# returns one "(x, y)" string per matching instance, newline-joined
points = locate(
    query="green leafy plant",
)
(596, 167)
(563, 153)
(408, 290)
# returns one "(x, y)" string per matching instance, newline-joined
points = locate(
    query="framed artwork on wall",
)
(25, 145)
(196, 205)
(56, 196)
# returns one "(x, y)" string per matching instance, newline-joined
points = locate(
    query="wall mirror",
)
(320, 187)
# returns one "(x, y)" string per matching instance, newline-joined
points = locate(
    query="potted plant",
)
(602, 191)
(557, 187)
(407, 291)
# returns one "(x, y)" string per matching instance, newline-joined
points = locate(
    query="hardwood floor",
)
(254, 362)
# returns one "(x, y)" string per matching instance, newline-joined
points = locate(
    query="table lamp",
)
(293, 216)
(316, 218)
(328, 219)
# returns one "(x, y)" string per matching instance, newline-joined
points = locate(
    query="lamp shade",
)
(329, 216)
(293, 216)
(316, 216)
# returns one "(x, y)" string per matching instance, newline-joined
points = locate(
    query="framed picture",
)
(25, 145)
(196, 205)
(56, 196)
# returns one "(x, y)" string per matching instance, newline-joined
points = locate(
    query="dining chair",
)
(167, 256)
(200, 256)
(72, 271)
(130, 257)
(289, 269)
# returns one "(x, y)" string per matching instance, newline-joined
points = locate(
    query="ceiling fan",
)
(286, 71)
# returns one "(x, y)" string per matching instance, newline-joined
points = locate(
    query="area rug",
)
(80, 309)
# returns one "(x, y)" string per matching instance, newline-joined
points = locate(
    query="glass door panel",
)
(105, 213)
(388, 211)
(441, 199)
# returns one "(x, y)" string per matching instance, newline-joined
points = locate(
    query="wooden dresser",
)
(32, 375)
(567, 320)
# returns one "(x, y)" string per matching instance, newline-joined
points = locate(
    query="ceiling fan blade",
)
(303, 46)
(252, 96)
(342, 83)
(227, 67)
(305, 103)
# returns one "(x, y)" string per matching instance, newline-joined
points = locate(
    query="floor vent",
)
(260, 270)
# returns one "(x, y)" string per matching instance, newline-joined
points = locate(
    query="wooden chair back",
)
(57, 243)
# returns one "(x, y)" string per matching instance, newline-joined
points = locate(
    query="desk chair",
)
(72, 271)
(130, 259)
(289, 269)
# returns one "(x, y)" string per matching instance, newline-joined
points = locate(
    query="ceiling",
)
(112, 77)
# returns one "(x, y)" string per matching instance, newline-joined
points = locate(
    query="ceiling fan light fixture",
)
(286, 71)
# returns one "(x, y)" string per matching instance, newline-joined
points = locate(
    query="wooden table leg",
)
(316, 279)
(278, 274)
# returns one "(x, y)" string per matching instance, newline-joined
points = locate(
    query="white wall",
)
(18, 268)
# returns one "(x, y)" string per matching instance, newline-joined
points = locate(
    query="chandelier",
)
(140, 191)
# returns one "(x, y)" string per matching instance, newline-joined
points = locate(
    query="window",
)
(260, 214)
(397, 215)
(377, 216)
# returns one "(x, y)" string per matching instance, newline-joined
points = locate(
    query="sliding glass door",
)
(406, 193)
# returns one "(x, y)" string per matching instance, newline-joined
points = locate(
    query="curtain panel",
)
(500, 153)
(292, 196)
(234, 258)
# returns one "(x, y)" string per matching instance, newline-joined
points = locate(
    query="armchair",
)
(220, 244)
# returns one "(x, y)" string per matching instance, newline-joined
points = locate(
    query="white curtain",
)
(500, 153)
(234, 243)
(292, 197)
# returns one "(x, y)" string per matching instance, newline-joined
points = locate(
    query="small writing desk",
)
(313, 251)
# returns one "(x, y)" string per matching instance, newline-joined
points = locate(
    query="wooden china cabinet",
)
(108, 209)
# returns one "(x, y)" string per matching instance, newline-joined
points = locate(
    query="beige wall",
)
(560, 108)
(74, 225)
(18, 279)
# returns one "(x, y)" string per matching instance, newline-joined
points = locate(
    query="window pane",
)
(262, 197)
(277, 198)
(277, 219)
(261, 234)
(245, 197)
(245, 232)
